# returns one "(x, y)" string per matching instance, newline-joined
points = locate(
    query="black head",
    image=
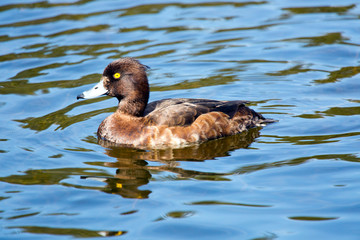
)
(125, 77)
(126, 80)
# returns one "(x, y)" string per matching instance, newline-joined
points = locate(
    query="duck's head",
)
(126, 80)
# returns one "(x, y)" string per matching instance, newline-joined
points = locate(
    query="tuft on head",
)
(126, 65)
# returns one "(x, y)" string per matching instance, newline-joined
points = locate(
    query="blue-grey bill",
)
(96, 91)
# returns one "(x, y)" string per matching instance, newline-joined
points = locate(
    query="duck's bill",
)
(96, 91)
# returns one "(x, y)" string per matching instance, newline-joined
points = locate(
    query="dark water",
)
(297, 61)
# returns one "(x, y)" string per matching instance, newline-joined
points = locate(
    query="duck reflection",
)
(133, 169)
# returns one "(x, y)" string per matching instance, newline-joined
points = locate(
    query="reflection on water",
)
(321, 9)
(296, 161)
(133, 170)
(309, 218)
(295, 61)
(76, 233)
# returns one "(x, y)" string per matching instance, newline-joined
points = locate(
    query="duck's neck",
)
(133, 105)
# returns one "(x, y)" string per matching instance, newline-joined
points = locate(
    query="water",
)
(297, 61)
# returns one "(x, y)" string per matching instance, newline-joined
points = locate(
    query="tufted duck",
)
(167, 122)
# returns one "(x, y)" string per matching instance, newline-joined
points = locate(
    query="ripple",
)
(297, 62)
(74, 232)
(208, 203)
(312, 218)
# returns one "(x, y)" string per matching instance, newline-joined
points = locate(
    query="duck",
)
(172, 122)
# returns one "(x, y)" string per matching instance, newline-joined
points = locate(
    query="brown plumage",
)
(168, 122)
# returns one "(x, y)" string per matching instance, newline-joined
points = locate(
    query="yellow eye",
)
(117, 75)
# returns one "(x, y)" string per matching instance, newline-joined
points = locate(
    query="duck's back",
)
(182, 121)
(184, 111)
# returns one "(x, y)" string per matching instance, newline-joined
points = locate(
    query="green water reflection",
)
(296, 161)
(321, 9)
(77, 233)
(132, 170)
(297, 62)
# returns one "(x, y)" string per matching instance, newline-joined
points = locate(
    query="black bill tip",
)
(80, 96)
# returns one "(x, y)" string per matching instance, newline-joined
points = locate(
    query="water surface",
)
(296, 61)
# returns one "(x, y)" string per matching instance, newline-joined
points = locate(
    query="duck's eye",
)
(116, 75)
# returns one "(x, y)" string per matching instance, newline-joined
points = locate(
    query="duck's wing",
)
(184, 111)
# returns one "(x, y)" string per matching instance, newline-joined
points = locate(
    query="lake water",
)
(296, 61)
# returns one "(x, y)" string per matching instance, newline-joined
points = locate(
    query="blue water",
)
(296, 61)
